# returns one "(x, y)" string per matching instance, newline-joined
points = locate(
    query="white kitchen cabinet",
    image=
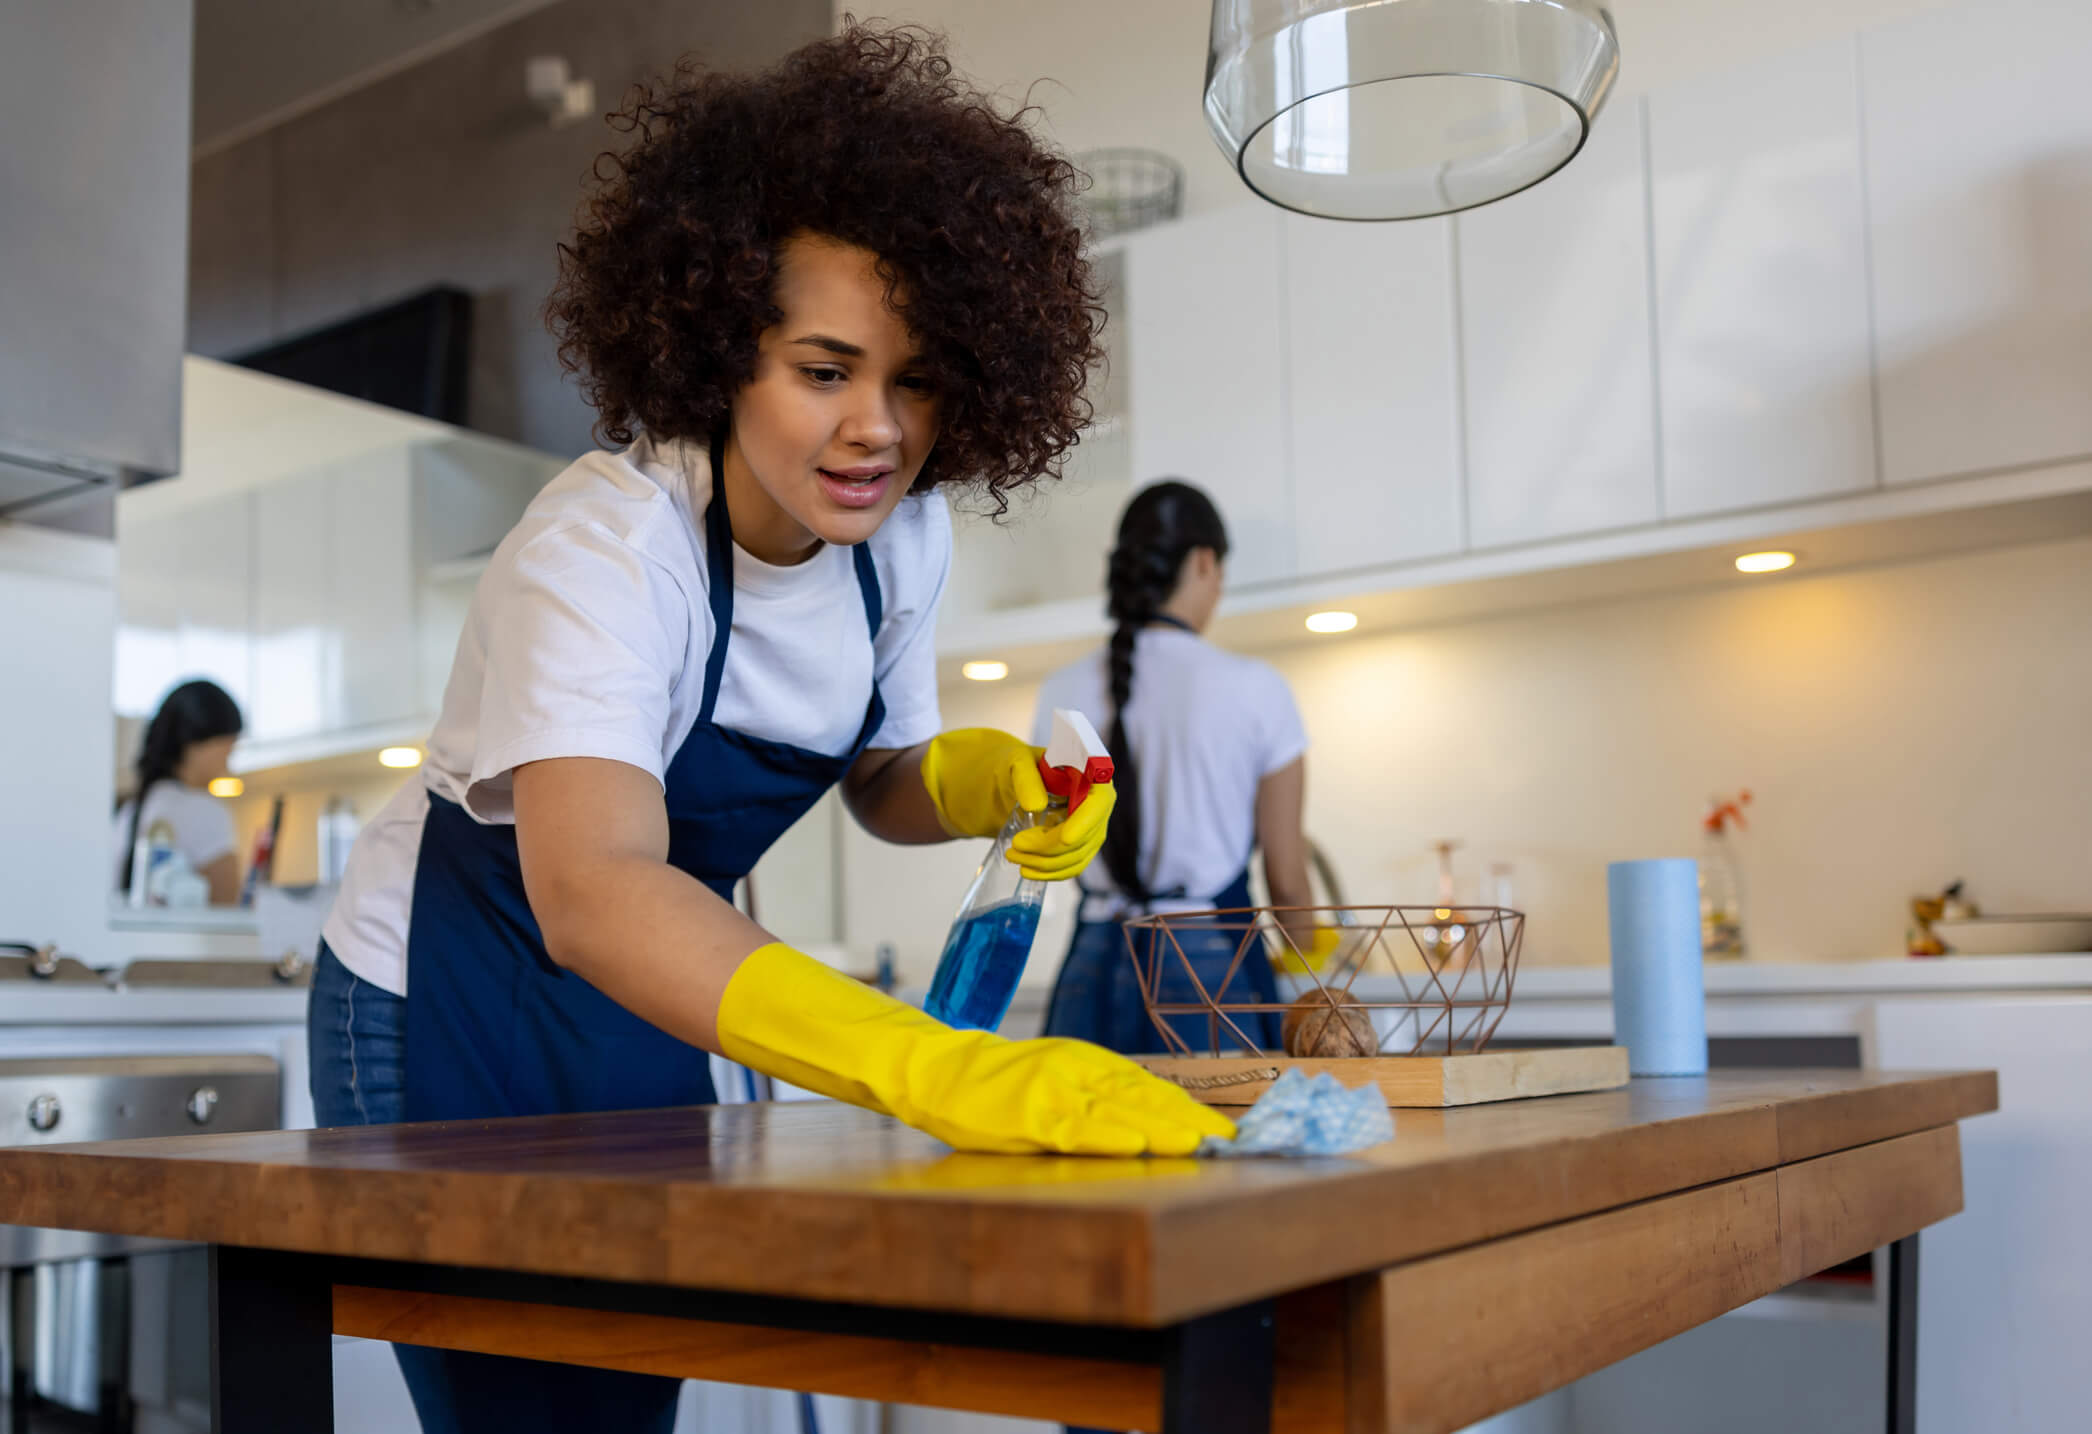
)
(296, 648)
(1206, 383)
(149, 601)
(327, 600)
(374, 579)
(1758, 223)
(2003, 1301)
(1978, 130)
(1374, 422)
(1554, 331)
(334, 600)
(183, 591)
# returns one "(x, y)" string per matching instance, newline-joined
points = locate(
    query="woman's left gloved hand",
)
(790, 1016)
(976, 776)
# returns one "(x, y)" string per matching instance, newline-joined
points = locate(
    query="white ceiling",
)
(260, 62)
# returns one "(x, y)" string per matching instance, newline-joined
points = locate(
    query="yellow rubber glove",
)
(789, 1016)
(1321, 947)
(976, 776)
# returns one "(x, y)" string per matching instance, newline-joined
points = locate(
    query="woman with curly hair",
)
(806, 302)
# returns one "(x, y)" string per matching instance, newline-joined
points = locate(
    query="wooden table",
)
(1485, 1256)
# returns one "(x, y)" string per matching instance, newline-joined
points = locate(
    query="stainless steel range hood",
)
(94, 230)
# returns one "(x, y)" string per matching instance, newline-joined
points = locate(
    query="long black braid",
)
(1163, 525)
(194, 712)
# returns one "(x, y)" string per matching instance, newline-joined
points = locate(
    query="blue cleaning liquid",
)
(983, 957)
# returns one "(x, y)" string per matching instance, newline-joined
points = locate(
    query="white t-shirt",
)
(1206, 726)
(202, 825)
(588, 635)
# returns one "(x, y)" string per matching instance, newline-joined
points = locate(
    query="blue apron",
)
(495, 1028)
(1097, 996)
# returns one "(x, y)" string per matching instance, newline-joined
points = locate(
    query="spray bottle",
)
(992, 936)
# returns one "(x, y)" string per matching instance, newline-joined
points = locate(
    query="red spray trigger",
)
(1075, 783)
(1075, 759)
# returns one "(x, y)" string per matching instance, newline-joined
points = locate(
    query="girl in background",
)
(1209, 750)
(187, 746)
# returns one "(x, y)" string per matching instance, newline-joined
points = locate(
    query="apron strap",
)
(874, 613)
(719, 581)
(868, 589)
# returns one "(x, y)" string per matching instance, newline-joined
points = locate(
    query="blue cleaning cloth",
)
(1308, 1115)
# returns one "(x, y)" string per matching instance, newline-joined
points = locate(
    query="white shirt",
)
(1206, 727)
(202, 825)
(588, 635)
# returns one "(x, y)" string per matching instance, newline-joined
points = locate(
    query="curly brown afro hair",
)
(870, 138)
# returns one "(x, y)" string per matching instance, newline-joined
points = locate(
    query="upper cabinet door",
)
(1765, 375)
(1375, 416)
(212, 546)
(1978, 127)
(1204, 354)
(1554, 324)
(372, 542)
(297, 642)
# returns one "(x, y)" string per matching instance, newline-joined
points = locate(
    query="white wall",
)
(1900, 726)
(1130, 74)
(57, 638)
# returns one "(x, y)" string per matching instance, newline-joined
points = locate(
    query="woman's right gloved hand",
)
(1292, 961)
(791, 1017)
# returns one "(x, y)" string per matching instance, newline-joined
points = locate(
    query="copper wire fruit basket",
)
(1446, 974)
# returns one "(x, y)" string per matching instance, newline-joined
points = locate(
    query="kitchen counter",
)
(1501, 1250)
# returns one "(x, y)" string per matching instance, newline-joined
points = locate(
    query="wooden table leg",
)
(1903, 1336)
(21, 1347)
(114, 1413)
(1217, 1373)
(272, 1343)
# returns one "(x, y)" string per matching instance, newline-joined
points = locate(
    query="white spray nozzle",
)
(1075, 759)
(1074, 741)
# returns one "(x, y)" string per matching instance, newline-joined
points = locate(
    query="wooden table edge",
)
(1183, 1281)
(1343, 1348)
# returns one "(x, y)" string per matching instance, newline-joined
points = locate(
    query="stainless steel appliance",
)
(99, 1325)
(93, 252)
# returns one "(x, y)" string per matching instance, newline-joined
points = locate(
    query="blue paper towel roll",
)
(1659, 1003)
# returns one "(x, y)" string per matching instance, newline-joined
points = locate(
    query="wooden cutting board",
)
(1407, 1080)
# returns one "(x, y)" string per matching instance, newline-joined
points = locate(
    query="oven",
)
(103, 1331)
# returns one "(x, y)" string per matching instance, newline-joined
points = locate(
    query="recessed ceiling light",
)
(227, 786)
(1332, 621)
(1767, 562)
(400, 757)
(986, 671)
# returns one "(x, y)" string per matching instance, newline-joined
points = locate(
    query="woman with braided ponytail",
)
(1208, 750)
(187, 745)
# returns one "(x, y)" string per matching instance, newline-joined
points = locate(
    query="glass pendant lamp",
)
(1400, 109)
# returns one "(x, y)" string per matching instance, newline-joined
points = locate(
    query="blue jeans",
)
(1097, 996)
(357, 1034)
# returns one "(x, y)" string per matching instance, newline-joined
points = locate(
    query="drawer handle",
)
(202, 1101)
(44, 1111)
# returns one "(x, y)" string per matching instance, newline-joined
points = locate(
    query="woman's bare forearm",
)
(1280, 800)
(885, 792)
(593, 837)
